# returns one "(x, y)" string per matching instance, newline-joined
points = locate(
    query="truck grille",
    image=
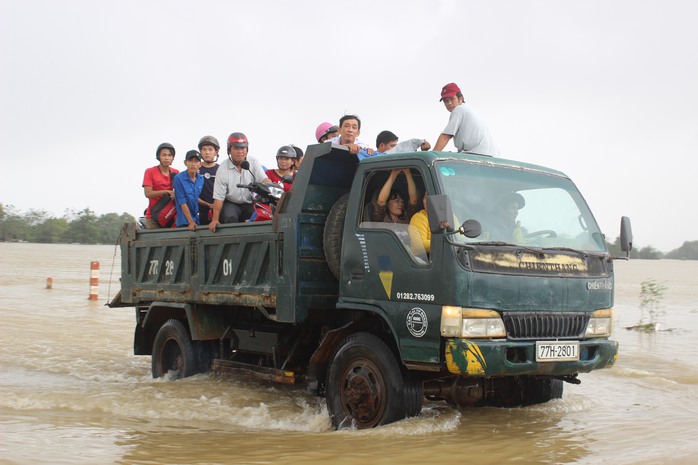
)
(545, 325)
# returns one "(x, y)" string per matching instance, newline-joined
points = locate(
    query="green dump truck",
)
(375, 316)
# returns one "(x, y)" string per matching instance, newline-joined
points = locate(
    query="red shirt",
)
(274, 177)
(158, 182)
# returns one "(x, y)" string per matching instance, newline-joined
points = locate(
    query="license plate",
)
(554, 351)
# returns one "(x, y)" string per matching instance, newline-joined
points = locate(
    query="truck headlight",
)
(600, 323)
(471, 323)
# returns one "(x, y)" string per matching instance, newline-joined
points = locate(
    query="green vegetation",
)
(651, 295)
(83, 227)
(688, 251)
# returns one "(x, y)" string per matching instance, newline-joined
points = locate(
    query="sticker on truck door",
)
(417, 322)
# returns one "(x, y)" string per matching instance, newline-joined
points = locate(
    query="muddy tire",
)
(367, 387)
(332, 236)
(174, 353)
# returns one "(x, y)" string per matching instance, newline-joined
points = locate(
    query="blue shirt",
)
(363, 153)
(187, 191)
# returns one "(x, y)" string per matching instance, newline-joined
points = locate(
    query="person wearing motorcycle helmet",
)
(326, 131)
(283, 175)
(209, 147)
(232, 204)
(299, 158)
(157, 181)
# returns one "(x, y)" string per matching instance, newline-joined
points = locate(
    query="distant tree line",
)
(688, 251)
(82, 227)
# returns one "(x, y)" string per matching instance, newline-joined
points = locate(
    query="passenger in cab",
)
(326, 131)
(285, 160)
(349, 131)
(187, 189)
(232, 204)
(465, 127)
(157, 181)
(419, 229)
(209, 148)
(389, 206)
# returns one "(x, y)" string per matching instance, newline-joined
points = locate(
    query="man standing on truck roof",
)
(349, 130)
(469, 132)
(232, 204)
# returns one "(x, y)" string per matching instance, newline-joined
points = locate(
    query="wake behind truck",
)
(370, 314)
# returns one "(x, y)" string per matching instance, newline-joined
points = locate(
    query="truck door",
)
(385, 262)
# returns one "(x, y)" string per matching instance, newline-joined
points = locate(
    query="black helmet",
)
(209, 140)
(299, 151)
(286, 151)
(164, 145)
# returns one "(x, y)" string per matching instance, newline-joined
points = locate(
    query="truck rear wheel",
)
(366, 386)
(332, 236)
(173, 352)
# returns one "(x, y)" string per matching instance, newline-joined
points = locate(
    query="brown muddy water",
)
(71, 392)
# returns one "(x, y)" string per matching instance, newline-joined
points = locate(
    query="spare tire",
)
(332, 236)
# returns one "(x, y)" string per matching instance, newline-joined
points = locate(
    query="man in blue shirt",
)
(349, 130)
(187, 189)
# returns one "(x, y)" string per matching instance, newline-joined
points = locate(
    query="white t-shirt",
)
(228, 177)
(409, 145)
(335, 140)
(470, 134)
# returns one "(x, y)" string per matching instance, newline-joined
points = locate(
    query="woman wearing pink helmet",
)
(326, 131)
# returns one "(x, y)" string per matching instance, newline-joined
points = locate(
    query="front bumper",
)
(469, 357)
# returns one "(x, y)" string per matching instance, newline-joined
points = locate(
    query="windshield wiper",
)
(509, 244)
(580, 252)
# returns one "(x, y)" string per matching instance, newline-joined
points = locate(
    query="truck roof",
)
(431, 157)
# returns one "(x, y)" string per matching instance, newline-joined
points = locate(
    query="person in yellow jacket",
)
(420, 234)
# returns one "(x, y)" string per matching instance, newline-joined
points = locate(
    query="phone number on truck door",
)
(414, 296)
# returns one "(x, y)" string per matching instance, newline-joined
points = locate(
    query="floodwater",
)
(72, 392)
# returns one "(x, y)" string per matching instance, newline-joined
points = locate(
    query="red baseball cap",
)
(449, 90)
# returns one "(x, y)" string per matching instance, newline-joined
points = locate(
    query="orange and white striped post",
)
(94, 280)
(49, 283)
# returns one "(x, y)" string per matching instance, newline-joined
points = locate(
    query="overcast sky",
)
(605, 91)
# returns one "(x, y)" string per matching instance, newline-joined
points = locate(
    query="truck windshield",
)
(519, 206)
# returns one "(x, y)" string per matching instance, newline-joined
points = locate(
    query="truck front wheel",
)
(541, 390)
(366, 387)
(517, 391)
(173, 352)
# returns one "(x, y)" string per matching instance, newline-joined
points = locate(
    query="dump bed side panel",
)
(237, 265)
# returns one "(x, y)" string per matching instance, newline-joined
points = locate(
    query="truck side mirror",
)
(470, 228)
(626, 234)
(439, 213)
